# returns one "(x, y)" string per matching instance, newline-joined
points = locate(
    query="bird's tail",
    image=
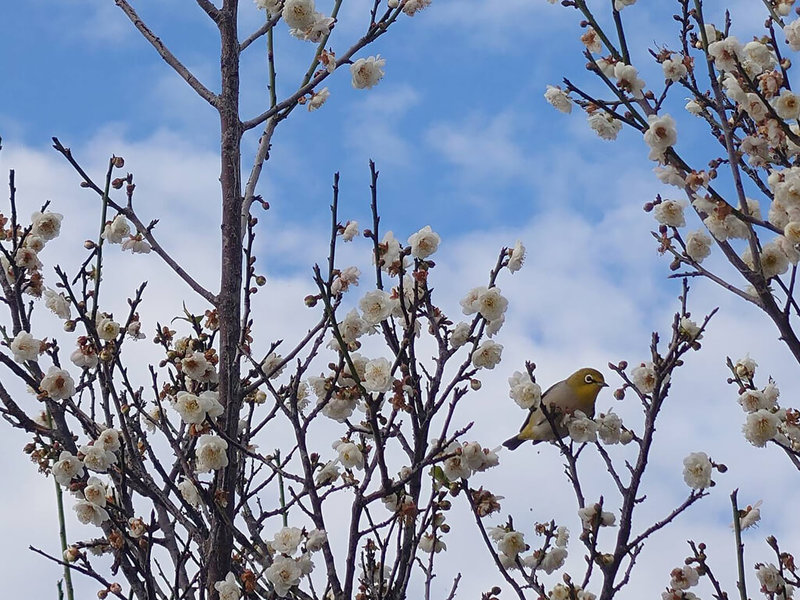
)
(513, 443)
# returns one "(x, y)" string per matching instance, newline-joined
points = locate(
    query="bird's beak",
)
(604, 384)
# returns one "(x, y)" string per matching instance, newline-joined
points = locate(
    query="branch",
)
(168, 56)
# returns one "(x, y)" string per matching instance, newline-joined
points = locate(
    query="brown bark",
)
(220, 544)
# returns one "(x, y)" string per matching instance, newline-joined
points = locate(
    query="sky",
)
(465, 143)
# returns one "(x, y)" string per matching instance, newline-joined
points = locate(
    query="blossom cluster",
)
(766, 420)
(98, 456)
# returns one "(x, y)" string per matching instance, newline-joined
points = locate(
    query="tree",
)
(186, 493)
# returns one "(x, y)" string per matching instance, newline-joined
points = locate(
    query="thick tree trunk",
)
(218, 552)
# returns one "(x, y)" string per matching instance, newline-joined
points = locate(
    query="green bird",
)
(577, 392)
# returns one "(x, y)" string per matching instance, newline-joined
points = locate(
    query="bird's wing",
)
(535, 416)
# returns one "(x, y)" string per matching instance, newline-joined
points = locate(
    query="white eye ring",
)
(588, 379)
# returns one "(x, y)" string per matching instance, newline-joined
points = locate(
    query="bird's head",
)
(587, 383)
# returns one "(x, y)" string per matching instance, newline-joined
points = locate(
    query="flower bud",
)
(475, 384)
(118, 162)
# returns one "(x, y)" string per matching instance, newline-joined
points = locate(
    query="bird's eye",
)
(588, 379)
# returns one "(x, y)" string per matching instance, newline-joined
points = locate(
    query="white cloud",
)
(377, 125)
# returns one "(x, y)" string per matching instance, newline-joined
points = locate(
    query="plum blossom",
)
(46, 225)
(697, 470)
(57, 303)
(366, 72)
(58, 384)
(487, 355)
(25, 347)
(211, 452)
(660, 135)
(67, 468)
(558, 98)
(228, 588)
(378, 375)
(424, 243)
(760, 427)
(604, 125)
(284, 573)
(87, 512)
(287, 540)
(116, 231)
(350, 455)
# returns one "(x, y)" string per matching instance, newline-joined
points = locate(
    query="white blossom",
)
(328, 473)
(682, 578)
(378, 375)
(660, 135)
(459, 335)
(346, 277)
(787, 105)
(698, 245)
(792, 33)
(350, 230)
(487, 355)
(628, 79)
(26, 258)
(366, 72)
(88, 512)
(57, 303)
(770, 578)
(272, 366)
(287, 540)
(760, 427)
(228, 588)
(284, 573)
(604, 125)
(725, 53)
(592, 515)
(745, 367)
(697, 470)
(431, 543)
(644, 377)
(46, 225)
(67, 468)
(108, 440)
(376, 306)
(512, 543)
(670, 213)
(424, 243)
(271, 6)
(349, 455)
(553, 560)
(116, 231)
(95, 491)
(137, 245)
(211, 453)
(558, 98)
(96, 458)
(299, 14)
(517, 257)
(58, 384)
(25, 347)
(107, 329)
(609, 428)
(189, 492)
(581, 428)
(673, 67)
(316, 539)
(524, 391)
(412, 7)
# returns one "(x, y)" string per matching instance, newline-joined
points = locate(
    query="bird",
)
(576, 392)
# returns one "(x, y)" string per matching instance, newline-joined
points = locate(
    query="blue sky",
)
(466, 143)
